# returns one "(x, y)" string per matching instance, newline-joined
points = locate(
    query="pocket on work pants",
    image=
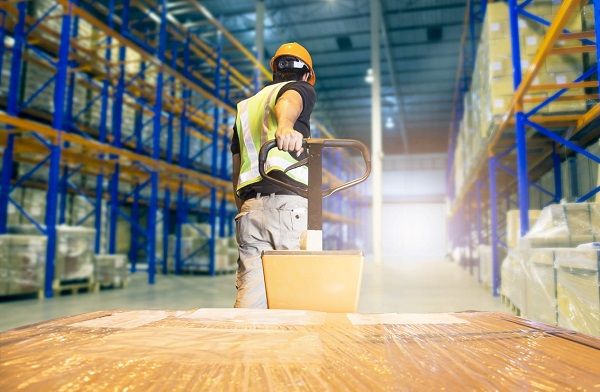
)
(293, 223)
(240, 226)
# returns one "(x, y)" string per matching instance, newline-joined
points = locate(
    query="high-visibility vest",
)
(256, 124)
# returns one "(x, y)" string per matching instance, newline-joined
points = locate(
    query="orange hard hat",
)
(296, 50)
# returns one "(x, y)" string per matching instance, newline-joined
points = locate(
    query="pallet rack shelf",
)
(142, 105)
(524, 144)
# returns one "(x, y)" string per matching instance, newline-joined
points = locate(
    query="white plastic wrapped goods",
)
(540, 286)
(111, 270)
(565, 226)
(513, 277)
(22, 263)
(74, 253)
(34, 201)
(578, 290)
(513, 225)
(485, 264)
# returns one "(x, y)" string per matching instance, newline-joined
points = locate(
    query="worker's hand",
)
(288, 139)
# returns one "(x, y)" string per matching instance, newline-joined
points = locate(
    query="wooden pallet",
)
(18, 296)
(108, 286)
(74, 287)
(513, 308)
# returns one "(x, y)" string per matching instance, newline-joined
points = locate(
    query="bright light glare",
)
(389, 123)
(369, 77)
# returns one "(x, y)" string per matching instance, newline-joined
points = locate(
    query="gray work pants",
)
(273, 222)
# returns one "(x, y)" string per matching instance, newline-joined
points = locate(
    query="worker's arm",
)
(287, 110)
(235, 174)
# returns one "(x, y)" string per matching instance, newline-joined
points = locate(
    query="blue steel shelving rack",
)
(460, 230)
(64, 66)
(504, 177)
(180, 100)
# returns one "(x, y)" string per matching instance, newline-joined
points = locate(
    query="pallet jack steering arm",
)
(314, 190)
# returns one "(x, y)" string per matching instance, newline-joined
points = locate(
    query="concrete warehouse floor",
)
(417, 287)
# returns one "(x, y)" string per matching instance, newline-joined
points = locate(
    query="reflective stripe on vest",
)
(256, 124)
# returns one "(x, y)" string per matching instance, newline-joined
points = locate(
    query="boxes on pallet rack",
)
(83, 214)
(34, 202)
(565, 225)
(512, 278)
(74, 253)
(6, 61)
(513, 225)
(111, 270)
(578, 289)
(587, 16)
(493, 76)
(486, 268)
(36, 73)
(532, 273)
(14, 216)
(22, 264)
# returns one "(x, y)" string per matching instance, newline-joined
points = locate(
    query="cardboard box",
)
(256, 349)
(566, 63)
(513, 225)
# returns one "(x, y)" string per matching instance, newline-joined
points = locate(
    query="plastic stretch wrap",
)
(540, 285)
(486, 268)
(578, 289)
(513, 225)
(22, 264)
(270, 350)
(558, 286)
(564, 226)
(111, 270)
(512, 277)
(74, 253)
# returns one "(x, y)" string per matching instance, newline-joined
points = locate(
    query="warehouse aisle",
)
(423, 287)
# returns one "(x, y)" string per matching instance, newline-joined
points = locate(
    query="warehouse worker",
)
(271, 218)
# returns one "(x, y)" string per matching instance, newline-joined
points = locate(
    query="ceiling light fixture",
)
(369, 77)
(389, 123)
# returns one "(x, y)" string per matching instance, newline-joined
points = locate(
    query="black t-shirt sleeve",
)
(235, 141)
(309, 97)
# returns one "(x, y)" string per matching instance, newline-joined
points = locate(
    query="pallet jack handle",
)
(314, 148)
(314, 190)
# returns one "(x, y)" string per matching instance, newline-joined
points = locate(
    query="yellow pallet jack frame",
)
(310, 278)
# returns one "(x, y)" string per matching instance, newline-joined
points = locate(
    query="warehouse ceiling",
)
(424, 45)
(420, 46)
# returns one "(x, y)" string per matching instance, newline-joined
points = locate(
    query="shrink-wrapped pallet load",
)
(111, 270)
(74, 253)
(540, 286)
(22, 263)
(513, 225)
(578, 289)
(565, 226)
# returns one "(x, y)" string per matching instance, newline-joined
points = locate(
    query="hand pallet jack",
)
(310, 278)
